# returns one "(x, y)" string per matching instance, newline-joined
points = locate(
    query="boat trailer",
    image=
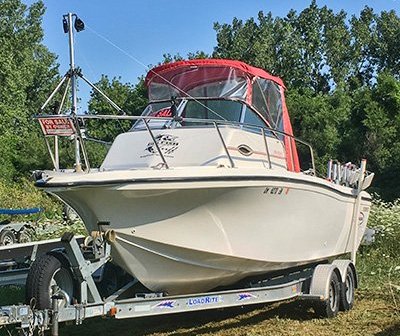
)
(12, 232)
(329, 286)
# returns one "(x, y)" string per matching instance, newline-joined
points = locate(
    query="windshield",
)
(213, 109)
(203, 109)
(157, 109)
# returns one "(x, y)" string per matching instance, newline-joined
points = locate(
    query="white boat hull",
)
(199, 203)
(185, 235)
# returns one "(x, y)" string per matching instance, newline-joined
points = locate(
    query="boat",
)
(210, 186)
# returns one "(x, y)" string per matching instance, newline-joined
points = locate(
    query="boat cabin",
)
(209, 112)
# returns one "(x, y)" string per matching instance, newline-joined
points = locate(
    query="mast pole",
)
(78, 164)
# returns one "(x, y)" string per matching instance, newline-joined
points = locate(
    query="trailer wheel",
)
(45, 272)
(7, 237)
(347, 290)
(24, 236)
(330, 307)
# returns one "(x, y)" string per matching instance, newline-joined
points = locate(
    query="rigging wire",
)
(82, 55)
(79, 52)
(151, 70)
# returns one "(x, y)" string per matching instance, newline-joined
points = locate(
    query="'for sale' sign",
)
(60, 126)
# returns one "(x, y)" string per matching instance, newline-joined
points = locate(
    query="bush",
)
(48, 224)
(25, 195)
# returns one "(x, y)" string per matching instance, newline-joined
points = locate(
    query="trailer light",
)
(112, 312)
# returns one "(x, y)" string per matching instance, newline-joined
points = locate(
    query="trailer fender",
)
(320, 281)
(12, 226)
(20, 226)
(6, 227)
(343, 265)
(27, 226)
(62, 257)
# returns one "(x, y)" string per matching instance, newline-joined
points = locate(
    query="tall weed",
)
(379, 263)
(385, 219)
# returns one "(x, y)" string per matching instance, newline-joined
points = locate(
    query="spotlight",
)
(79, 25)
(65, 25)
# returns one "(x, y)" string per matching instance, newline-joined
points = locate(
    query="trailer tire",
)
(330, 307)
(7, 237)
(24, 236)
(347, 290)
(46, 271)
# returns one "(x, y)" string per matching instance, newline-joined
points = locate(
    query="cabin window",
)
(252, 118)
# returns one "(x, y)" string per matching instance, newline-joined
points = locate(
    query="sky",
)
(147, 29)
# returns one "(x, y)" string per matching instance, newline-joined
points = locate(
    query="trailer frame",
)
(311, 282)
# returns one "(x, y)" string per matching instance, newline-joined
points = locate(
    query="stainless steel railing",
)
(215, 123)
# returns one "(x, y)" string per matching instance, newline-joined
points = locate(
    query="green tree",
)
(309, 50)
(27, 73)
(319, 119)
(373, 132)
(363, 34)
(168, 58)
(386, 48)
(342, 78)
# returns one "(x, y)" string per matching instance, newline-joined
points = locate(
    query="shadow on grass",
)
(11, 294)
(203, 322)
(393, 330)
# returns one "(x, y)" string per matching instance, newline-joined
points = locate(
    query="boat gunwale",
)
(49, 184)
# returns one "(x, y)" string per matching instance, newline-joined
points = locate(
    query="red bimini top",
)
(169, 70)
(228, 79)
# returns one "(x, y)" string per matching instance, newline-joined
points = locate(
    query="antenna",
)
(79, 26)
(70, 22)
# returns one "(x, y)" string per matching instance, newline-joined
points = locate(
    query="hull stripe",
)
(42, 184)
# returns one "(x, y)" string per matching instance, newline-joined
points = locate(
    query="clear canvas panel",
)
(267, 100)
(198, 82)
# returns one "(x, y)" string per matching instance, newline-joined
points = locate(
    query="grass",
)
(376, 311)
